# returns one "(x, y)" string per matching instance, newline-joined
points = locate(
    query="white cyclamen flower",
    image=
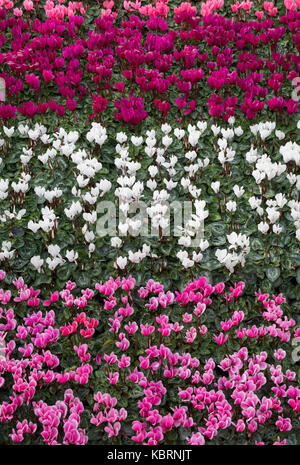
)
(121, 262)
(37, 262)
(263, 227)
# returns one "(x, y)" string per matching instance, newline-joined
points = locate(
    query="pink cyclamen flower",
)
(284, 424)
(18, 12)
(113, 378)
(279, 354)
(219, 288)
(28, 5)
(221, 339)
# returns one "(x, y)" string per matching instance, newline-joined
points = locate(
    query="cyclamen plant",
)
(152, 356)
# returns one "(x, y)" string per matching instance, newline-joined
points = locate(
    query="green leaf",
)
(273, 274)
(18, 231)
(257, 244)
(83, 280)
(42, 279)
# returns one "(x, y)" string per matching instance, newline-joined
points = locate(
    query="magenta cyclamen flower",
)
(33, 81)
(131, 110)
(48, 75)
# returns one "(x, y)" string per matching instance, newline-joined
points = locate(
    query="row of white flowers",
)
(175, 168)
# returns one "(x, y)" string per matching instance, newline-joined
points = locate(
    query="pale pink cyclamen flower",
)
(18, 12)
(292, 5)
(259, 14)
(187, 317)
(28, 5)
(279, 354)
(132, 6)
(191, 335)
(196, 440)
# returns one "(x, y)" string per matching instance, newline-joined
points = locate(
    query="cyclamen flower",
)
(99, 103)
(33, 81)
(131, 110)
(147, 330)
(48, 76)
(221, 339)
(284, 424)
(219, 288)
(191, 335)
(279, 354)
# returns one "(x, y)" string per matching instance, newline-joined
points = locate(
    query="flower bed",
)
(147, 148)
(131, 66)
(141, 366)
